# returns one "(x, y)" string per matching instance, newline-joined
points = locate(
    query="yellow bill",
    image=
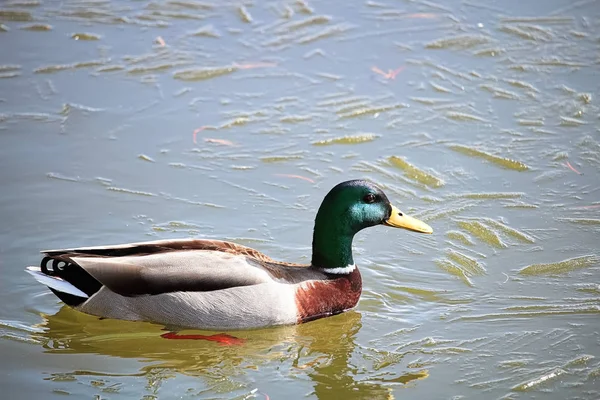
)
(399, 220)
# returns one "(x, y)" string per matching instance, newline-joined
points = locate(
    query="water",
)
(128, 121)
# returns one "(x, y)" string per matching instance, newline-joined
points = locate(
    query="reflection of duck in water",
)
(212, 284)
(326, 351)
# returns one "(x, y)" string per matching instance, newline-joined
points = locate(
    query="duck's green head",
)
(348, 208)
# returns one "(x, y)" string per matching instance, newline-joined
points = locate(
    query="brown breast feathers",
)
(319, 299)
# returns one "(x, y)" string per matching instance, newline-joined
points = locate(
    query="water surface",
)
(127, 121)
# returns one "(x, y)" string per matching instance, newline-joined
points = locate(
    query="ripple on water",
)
(484, 233)
(198, 74)
(415, 173)
(561, 267)
(501, 161)
(15, 15)
(408, 96)
(369, 137)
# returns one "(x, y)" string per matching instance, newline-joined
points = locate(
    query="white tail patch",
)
(55, 283)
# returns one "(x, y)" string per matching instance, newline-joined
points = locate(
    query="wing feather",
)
(163, 266)
(185, 271)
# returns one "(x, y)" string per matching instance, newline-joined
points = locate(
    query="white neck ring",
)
(341, 270)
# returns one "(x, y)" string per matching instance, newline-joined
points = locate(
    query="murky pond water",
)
(124, 121)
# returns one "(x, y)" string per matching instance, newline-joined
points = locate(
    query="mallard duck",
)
(213, 284)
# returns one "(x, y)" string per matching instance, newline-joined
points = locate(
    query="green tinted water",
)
(129, 121)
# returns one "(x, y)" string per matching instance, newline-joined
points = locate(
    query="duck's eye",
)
(369, 198)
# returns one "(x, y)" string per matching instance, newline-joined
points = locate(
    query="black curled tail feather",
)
(63, 267)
